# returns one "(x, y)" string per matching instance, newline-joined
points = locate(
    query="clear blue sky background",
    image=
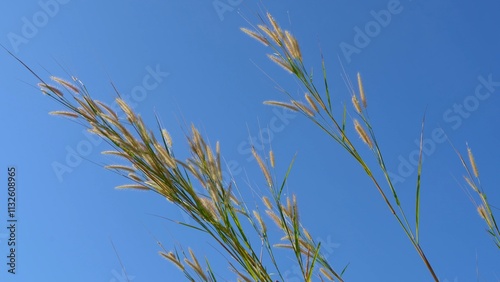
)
(427, 58)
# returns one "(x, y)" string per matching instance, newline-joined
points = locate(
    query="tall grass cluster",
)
(196, 185)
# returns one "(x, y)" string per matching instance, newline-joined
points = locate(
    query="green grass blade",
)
(327, 91)
(419, 173)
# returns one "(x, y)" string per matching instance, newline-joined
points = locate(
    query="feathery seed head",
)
(484, 215)
(263, 167)
(311, 102)
(267, 202)
(272, 35)
(361, 91)
(282, 104)
(292, 46)
(167, 137)
(271, 158)
(275, 218)
(261, 222)
(132, 186)
(66, 84)
(255, 36)
(355, 103)
(280, 62)
(126, 109)
(44, 87)
(64, 113)
(472, 162)
(172, 258)
(362, 133)
(303, 107)
(121, 167)
(275, 25)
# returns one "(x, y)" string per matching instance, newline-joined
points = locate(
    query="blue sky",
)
(429, 56)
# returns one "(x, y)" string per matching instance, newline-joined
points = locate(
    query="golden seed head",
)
(472, 162)
(264, 169)
(126, 109)
(484, 215)
(267, 202)
(66, 84)
(255, 36)
(64, 113)
(134, 177)
(132, 186)
(271, 158)
(280, 62)
(274, 217)
(121, 167)
(167, 137)
(307, 234)
(171, 257)
(471, 183)
(303, 107)
(282, 104)
(292, 46)
(261, 222)
(44, 87)
(275, 25)
(107, 108)
(311, 102)
(270, 33)
(355, 103)
(362, 133)
(361, 91)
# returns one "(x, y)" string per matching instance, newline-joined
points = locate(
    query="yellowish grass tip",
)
(263, 167)
(267, 202)
(311, 102)
(355, 103)
(361, 91)
(472, 162)
(44, 87)
(255, 36)
(66, 84)
(362, 133)
(167, 137)
(271, 158)
(261, 222)
(282, 104)
(303, 108)
(64, 113)
(280, 62)
(132, 186)
(292, 46)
